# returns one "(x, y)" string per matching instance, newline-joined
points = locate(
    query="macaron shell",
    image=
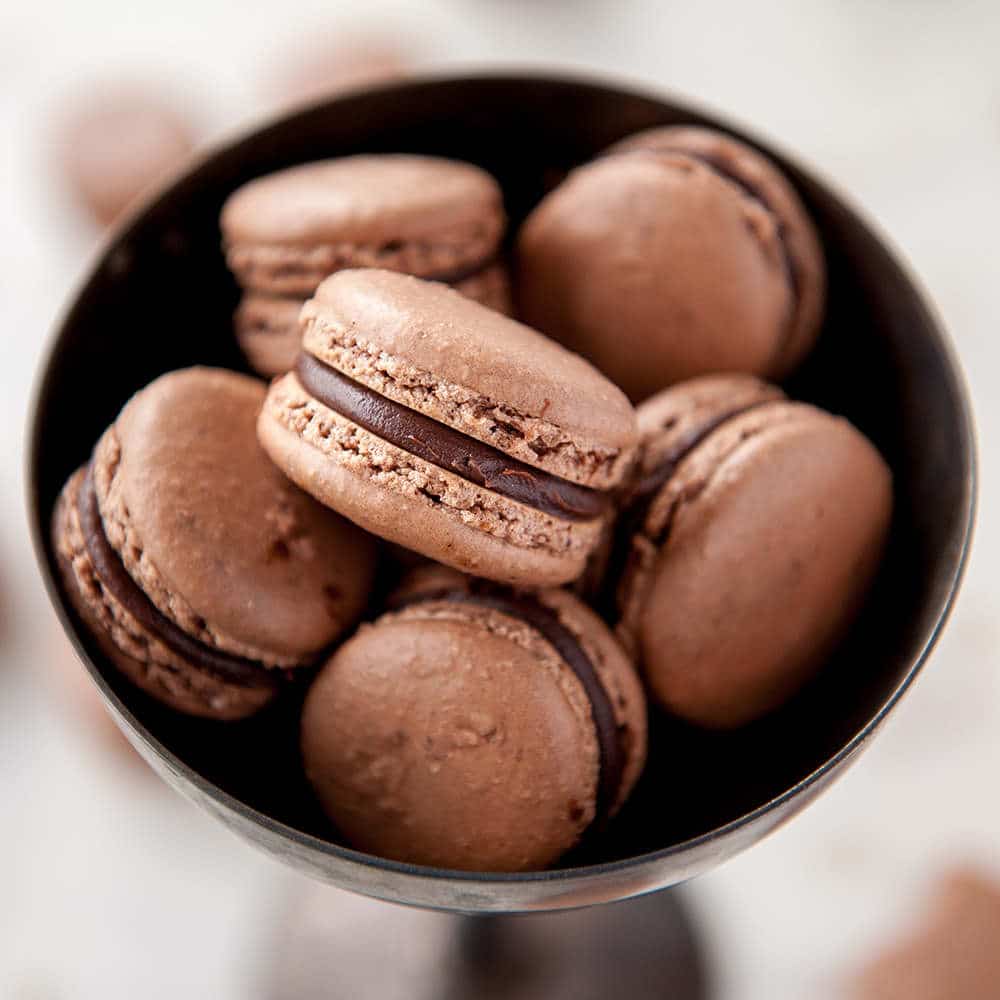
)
(656, 269)
(677, 415)
(490, 370)
(267, 331)
(406, 500)
(287, 231)
(774, 528)
(614, 669)
(211, 531)
(441, 744)
(137, 653)
(798, 232)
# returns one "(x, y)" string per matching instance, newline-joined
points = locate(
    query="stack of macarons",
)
(568, 553)
(439, 219)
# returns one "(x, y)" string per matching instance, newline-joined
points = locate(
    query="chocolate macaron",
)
(439, 219)
(450, 429)
(948, 951)
(116, 142)
(204, 574)
(752, 533)
(475, 727)
(681, 251)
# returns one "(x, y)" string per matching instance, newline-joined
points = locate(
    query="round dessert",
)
(284, 233)
(950, 950)
(205, 576)
(474, 727)
(679, 252)
(118, 145)
(447, 428)
(746, 546)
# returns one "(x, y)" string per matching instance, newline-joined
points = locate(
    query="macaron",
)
(475, 727)
(117, 142)
(681, 251)
(205, 576)
(949, 949)
(449, 429)
(439, 219)
(752, 532)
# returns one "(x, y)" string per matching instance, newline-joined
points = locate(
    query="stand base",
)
(333, 945)
(641, 949)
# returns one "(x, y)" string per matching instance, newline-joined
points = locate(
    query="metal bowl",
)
(160, 297)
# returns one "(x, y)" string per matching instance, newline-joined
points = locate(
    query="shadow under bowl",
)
(160, 298)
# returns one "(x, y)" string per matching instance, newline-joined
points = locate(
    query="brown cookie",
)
(449, 429)
(204, 574)
(753, 530)
(681, 251)
(118, 144)
(475, 727)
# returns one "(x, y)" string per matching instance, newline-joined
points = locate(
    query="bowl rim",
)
(956, 561)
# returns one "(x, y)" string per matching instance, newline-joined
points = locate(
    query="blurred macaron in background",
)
(114, 141)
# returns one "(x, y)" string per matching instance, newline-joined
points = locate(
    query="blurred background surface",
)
(113, 887)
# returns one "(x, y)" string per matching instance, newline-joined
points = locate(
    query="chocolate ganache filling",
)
(447, 448)
(116, 579)
(546, 622)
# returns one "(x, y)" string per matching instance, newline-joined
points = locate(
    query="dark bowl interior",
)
(160, 298)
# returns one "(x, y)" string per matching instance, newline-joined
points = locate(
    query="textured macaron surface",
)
(761, 180)
(213, 534)
(287, 231)
(140, 642)
(453, 734)
(752, 559)
(490, 377)
(445, 427)
(659, 266)
(437, 593)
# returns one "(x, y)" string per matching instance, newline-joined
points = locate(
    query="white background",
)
(111, 886)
